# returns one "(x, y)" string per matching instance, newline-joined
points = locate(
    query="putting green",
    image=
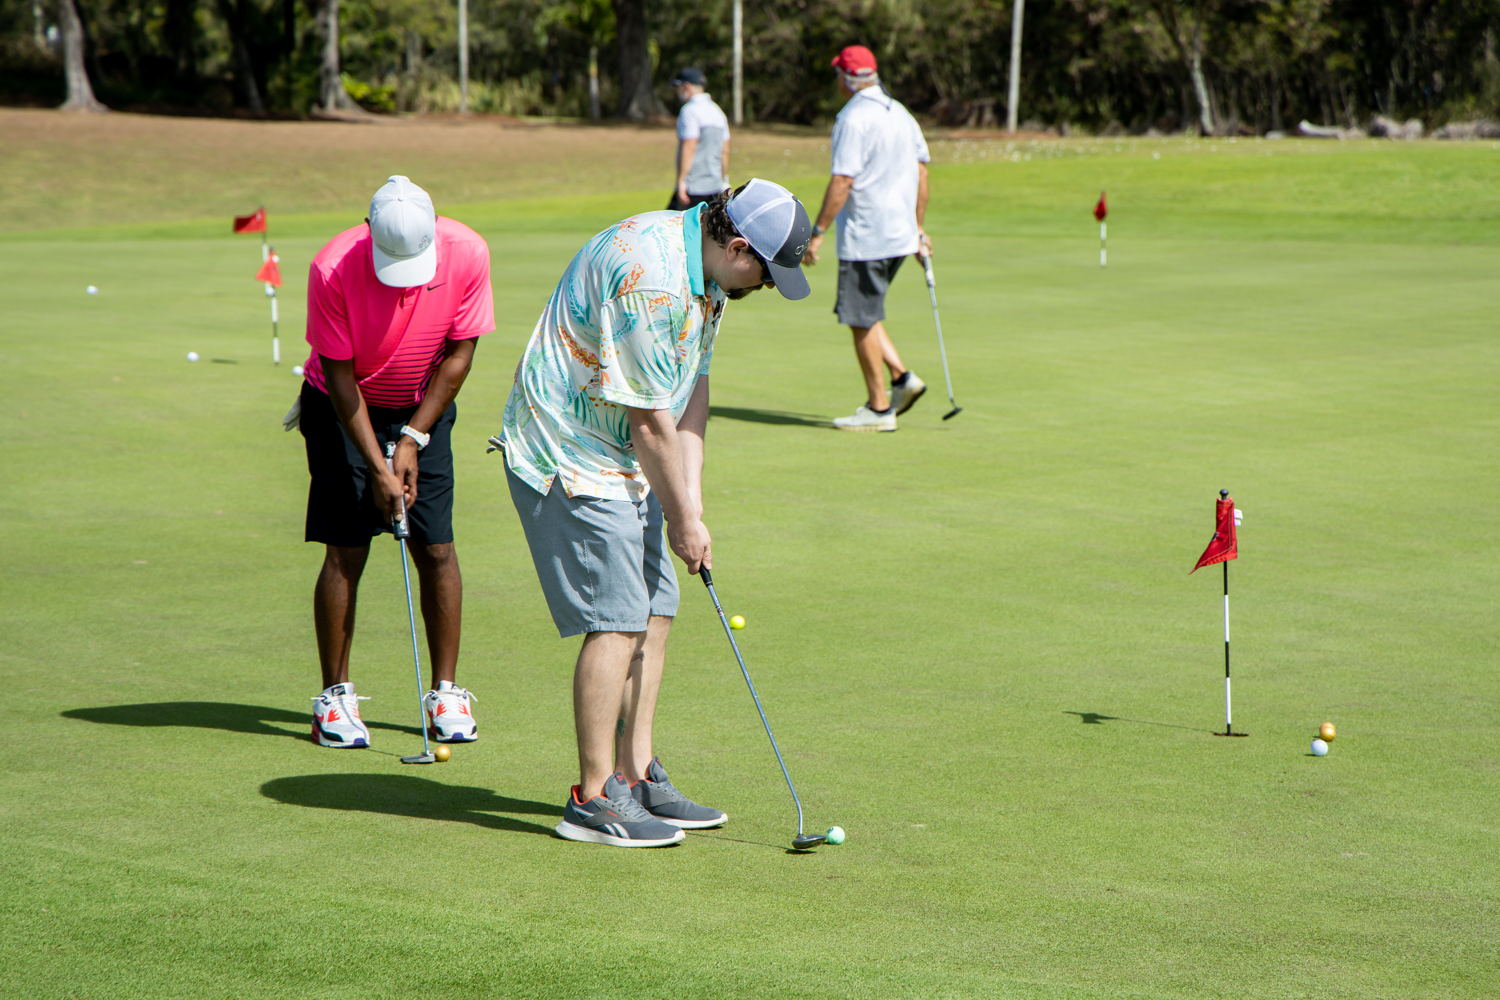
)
(977, 639)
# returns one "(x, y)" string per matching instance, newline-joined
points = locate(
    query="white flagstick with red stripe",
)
(270, 273)
(1100, 211)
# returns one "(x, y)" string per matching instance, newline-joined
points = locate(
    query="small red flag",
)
(1101, 209)
(270, 272)
(255, 222)
(1224, 546)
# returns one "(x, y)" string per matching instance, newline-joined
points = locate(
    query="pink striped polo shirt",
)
(395, 336)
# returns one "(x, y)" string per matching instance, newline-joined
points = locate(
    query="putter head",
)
(953, 413)
(807, 841)
(420, 758)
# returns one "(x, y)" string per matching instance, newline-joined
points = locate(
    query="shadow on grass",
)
(717, 836)
(1098, 719)
(769, 416)
(253, 719)
(408, 795)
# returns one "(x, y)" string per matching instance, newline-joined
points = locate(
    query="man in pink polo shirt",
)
(393, 309)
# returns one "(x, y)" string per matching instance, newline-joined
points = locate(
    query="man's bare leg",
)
(599, 680)
(633, 752)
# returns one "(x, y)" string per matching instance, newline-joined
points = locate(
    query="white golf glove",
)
(294, 415)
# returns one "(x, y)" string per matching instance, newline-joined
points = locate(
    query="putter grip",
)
(399, 526)
(708, 578)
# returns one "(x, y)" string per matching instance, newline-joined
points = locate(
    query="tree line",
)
(1210, 66)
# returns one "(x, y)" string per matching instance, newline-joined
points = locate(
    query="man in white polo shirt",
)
(702, 142)
(878, 194)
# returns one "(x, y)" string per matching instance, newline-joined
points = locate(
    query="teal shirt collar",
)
(692, 242)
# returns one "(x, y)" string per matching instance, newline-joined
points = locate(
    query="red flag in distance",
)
(255, 222)
(1101, 209)
(1224, 546)
(270, 272)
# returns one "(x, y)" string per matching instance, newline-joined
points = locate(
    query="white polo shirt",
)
(878, 143)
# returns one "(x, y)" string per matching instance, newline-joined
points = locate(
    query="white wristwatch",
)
(416, 436)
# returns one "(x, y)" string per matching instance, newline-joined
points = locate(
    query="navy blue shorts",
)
(341, 508)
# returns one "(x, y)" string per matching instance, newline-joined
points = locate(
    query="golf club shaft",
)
(938, 324)
(416, 657)
(401, 530)
(708, 581)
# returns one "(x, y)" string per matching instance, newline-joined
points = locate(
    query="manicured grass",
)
(977, 639)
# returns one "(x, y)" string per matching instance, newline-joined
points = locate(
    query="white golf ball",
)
(1319, 748)
(92, 289)
(192, 355)
(297, 370)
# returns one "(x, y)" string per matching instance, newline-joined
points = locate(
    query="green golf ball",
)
(835, 835)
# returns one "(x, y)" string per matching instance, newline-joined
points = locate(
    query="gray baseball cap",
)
(403, 231)
(775, 224)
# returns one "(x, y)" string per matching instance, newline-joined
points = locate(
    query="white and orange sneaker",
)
(336, 721)
(450, 713)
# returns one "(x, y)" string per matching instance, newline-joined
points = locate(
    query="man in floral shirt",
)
(603, 440)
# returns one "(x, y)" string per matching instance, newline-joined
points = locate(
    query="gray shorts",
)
(603, 564)
(862, 287)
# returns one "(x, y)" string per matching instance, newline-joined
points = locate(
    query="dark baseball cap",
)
(776, 226)
(690, 74)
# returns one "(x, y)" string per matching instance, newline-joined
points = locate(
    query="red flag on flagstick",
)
(1224, 546)
(270, 272)
(1101, 209)
(255, 222)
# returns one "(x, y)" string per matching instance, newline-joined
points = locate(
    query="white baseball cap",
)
(403, 231)
(775, 224)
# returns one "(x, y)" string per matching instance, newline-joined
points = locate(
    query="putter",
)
(937, 322)
(402, 531)
(802, 841)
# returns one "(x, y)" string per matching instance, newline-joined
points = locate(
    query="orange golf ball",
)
(1326, 732)
(442, 752)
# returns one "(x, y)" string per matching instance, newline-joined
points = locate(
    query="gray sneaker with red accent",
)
(614, 818)
(662, 800)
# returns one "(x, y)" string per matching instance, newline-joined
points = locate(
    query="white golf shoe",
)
(450, 713)
(866, 419)
(336, 721)
(905, 395)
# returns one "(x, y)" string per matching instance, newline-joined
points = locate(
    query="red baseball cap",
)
(855, 60)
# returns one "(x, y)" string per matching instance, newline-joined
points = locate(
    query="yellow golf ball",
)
(736, 621)
(442, 752)
(1326, 732)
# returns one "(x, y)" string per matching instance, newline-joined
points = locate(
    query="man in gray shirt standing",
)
(702, 142)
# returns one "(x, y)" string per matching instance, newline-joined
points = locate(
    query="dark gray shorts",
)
(862, 287)
(603, 564)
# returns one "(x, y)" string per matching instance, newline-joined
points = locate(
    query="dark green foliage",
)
(1094, 64)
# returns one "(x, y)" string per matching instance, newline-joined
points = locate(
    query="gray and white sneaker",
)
(866, 419)
(662, 799)
(905, 395)
(614, 818)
